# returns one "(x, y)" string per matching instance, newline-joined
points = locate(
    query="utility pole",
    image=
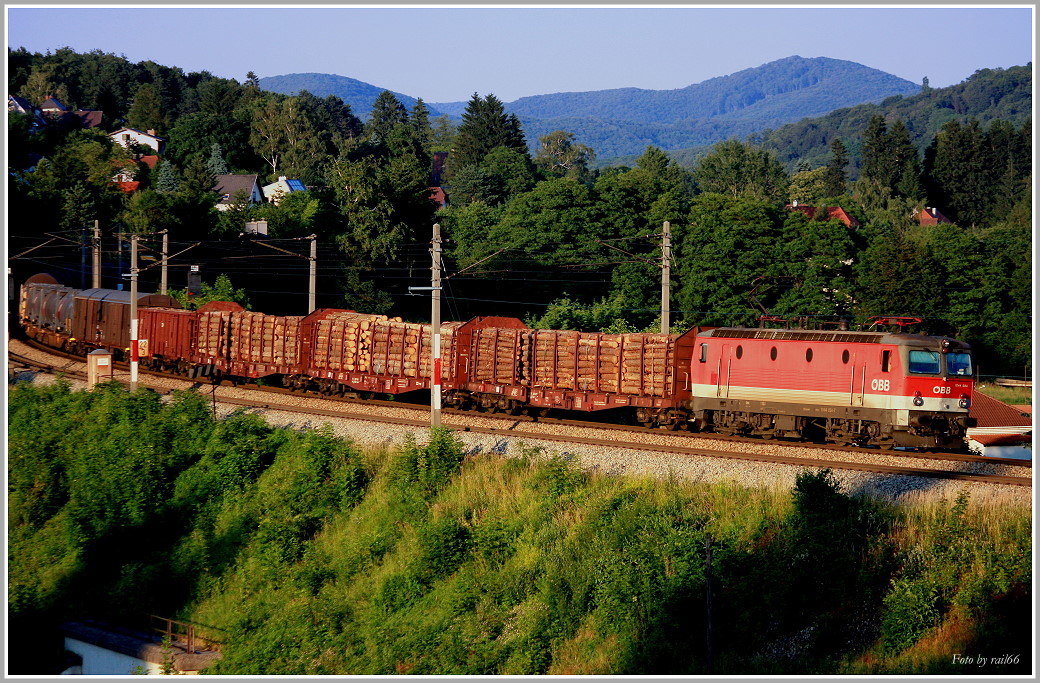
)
(666, 278)
(165, 256)
(435, 322)
(83, 257)
(313, 274)
(97, 255)
(119, 252)
(133, 312)
(435, 328)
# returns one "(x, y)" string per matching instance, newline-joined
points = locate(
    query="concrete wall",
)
(97, 661)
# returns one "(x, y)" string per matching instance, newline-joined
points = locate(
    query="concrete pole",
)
(313, 274)
(666, 278)
(435, 323)
(97, 256)
(165, 255)
(133, 313)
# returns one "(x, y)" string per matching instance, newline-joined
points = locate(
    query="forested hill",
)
(781, 91)
(987, 95)
(358, 94)
(625, 121)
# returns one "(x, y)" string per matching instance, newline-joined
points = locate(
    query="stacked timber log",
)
(497, 354)
(266, 339)
(211, 339)
(647, 364)
(636, 364)
(343, 341)
(362, 342)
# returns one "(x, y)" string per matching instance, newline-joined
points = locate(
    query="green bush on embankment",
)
(317, 556)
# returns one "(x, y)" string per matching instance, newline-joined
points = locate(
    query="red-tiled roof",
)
(1001, 439)
(438, 196)
(931, 216)
(989, 412)
(833, 213)
(128, 186)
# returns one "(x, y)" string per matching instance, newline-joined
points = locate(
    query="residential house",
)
(833, 213)
(126, 177)
(229, 185)
(930, 216)
(90, 118)
(20, 105)
(130, 136)
(439, 197)
(280, 188)
(437, 194)
(52, 108)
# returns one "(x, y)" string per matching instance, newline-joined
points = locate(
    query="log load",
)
(265, 339)
(375, 344)
(635, 364)
(212, 336)
(496, 355)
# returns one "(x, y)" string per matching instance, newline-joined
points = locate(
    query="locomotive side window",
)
(772, 353)
(845, 356)
(808, 355)
(886, 361)
(924, 362)
(958, 363)
(704, 353)
(740, 350)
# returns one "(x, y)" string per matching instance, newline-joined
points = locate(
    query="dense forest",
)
(306, 554)
(538, 232)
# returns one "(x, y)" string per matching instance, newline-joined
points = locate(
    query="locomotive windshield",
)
(959, 363)
(924, 362)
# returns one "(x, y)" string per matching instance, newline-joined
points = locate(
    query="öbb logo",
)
(942, 390)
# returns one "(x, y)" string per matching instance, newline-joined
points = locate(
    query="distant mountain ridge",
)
(810, 86)
(358, 94)
(624, 121)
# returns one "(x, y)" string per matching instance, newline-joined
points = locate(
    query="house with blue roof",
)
(282, 187)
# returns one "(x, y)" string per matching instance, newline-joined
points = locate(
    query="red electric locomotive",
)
(866, 387)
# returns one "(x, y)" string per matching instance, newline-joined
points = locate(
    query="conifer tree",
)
(216, 165)
(906, 165)
(146, 111)
(165, 178)
(387, 113)
(836, 176)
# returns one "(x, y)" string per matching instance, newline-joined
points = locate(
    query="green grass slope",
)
(312, 555)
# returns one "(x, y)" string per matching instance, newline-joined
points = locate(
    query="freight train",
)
(873, 388)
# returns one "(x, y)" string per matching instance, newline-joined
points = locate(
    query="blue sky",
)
(445, 54)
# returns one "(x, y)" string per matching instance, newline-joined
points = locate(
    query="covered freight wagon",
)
(101, 317)
(45, 309)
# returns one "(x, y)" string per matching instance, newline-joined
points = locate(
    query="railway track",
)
(948, 466)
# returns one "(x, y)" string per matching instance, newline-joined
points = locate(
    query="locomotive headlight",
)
(918, 401)
(965, 402)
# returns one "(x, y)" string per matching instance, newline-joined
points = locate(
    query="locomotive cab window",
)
(959, 363)
(886, 361)
(924, 362)
(704, 353)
